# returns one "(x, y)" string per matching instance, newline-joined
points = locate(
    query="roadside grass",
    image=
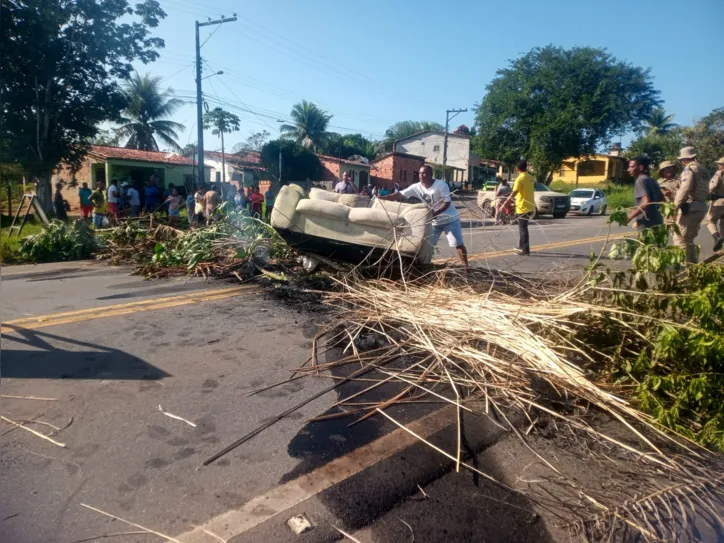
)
(10, 246)
(616, 194)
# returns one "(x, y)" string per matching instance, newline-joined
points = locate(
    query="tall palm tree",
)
(659, 123)
(146, 114)
(310, 124)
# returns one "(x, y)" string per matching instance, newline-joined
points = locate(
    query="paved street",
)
(106, 349)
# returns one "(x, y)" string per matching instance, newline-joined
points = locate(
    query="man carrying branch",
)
(436, 194)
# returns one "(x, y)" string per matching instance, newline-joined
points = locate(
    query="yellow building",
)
(593, 169)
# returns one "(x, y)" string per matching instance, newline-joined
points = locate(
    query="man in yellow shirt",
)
(523, 193)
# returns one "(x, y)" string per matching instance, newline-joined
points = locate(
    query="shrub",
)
(59, 241)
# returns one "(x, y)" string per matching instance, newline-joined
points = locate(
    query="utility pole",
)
(200, 95)
(280, 167)
(444, 148)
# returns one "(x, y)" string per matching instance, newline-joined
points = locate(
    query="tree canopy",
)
(553, 103)
(309, 126)
(659, 122)
(707, 135)
(403, 129)
(298, 162)
(61, 63)
(221, 122)
(349, 145)
(145, 115)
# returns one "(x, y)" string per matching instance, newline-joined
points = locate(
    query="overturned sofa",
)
(343, 227)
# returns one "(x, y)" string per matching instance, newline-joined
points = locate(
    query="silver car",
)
(588, 202)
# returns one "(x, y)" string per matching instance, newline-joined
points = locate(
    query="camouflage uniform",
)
(692, 193)
(716, 211)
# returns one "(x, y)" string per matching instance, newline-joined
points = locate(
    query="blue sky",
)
(372, 63)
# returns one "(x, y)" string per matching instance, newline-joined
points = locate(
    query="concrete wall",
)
(431, 147)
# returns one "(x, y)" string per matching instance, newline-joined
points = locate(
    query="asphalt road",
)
(109, 348)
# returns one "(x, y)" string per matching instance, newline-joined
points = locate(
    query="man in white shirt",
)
(112, 199)
(134, 200)
(345, 186)
(436, 194)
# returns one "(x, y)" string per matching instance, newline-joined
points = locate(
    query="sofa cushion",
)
(377, 218)
(323, 208)
(350, 200)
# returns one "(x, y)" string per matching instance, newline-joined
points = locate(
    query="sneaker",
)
(718, 244)
(521, 252)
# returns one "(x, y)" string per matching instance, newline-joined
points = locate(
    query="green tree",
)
(659, 122)
(403, 129)
(310, 125)
(707, 135)
(221, 122)
(657, 147)
(146, 112)
(298, 162)
(349, 145)
(60, 65)
(256, 141)
(107, 137)
(553, 103)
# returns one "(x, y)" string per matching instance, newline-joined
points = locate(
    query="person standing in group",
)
(256, 200)
(212, 200)
(648, 195)
(59, 203)
(668, 181)
(269, 201)
(134, 201)
(151, 195)
(200, 205)
(240, 202)
(502, 191)
(436, 194)
(690, 200)
(384, 191)
(174, 201)
(113, 200)
(345, 186)
(375, 192)
(86, 207)
(716, 211)
(98, 200)
(524, 196)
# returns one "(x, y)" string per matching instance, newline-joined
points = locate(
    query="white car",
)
(588, 202)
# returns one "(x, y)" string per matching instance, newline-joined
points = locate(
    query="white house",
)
(244, 168)
(430, 145)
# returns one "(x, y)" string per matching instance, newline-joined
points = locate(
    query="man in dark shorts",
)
(647, 195)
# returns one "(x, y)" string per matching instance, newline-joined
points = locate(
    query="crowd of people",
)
(106, 206)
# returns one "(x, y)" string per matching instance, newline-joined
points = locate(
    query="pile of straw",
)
(494, 344)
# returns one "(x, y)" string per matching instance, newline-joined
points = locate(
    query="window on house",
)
(435, 148)
(404, 175)
(218, 177)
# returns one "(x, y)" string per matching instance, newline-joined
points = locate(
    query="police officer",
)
(668, 181)
(690, 200)
(716, 211)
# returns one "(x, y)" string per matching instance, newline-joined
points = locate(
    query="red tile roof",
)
(121, 153)
(243, 158)
(341, 160)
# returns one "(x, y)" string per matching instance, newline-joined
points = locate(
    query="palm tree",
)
(310, 124)
(221, 122)
(146, 113)
(659, 123)
(408, 128)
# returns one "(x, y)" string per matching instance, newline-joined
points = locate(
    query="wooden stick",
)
(32, 431)
(161, 409)
(28, 398)
(345, 534)
(148, 530)
(109, 535)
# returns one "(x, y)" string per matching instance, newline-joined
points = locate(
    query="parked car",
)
(490, 184)
(588, 202)
(547, 202)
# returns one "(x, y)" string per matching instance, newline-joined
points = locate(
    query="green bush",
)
(59, 241)
(616, 194)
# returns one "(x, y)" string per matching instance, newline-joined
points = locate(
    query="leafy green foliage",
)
(403, 129)
(298, 162)
(309, 126)
(667, 341)
(221, 122)
(658, 147)
(349, 145)
(59, 241)
(144, 116)
(707, 136)
(553, 103)
(659, 122)
(61, 65)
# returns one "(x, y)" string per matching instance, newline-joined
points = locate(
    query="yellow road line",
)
(81, 315)
(539, 248)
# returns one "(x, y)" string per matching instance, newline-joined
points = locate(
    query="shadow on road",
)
(48, 361)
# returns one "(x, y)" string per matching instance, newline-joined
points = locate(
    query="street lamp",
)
(220, 72)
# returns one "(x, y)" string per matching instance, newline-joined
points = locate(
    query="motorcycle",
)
(505, 213)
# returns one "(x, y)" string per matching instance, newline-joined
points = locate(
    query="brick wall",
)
(330, 169)
(396, 169)
(71, 193)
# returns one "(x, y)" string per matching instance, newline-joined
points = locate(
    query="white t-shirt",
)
(134, 198)
(434, 197)
(113, 194)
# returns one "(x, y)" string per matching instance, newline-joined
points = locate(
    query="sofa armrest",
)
(285, 206)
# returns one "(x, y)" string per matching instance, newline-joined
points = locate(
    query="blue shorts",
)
(453, 231)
